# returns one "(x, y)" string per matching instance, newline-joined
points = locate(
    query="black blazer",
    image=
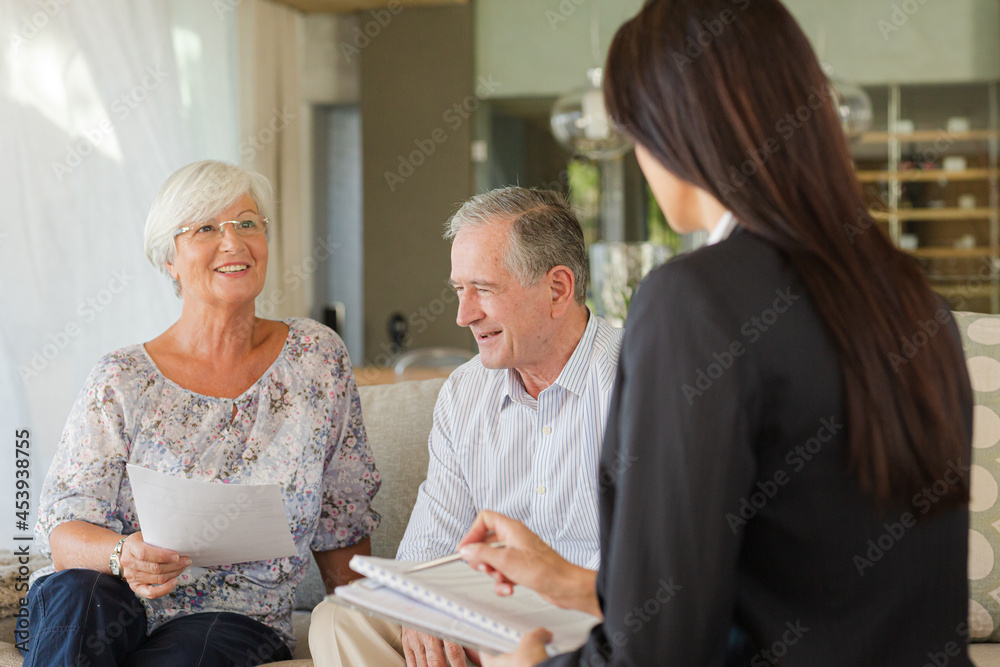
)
(731, 531)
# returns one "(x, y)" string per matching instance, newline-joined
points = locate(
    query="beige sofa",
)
(398, 419)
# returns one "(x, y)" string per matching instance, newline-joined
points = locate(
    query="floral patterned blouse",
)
(298, 426)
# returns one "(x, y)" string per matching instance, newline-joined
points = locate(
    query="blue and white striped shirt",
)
(495, 447)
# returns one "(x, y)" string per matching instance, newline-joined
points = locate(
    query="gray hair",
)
(195, 193)
(544, 233)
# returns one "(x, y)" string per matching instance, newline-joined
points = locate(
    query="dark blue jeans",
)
(82, 618)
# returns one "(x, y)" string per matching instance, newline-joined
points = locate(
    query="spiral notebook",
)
(455, 602)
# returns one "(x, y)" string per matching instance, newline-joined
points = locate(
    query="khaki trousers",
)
(341, 637)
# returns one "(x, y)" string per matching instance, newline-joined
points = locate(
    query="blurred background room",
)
(375, 119)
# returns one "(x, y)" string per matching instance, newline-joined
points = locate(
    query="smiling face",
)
(228, 270)
(512, 324)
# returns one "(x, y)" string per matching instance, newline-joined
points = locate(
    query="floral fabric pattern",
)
(298, 426)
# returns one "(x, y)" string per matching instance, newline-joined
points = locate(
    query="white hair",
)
(196, 193)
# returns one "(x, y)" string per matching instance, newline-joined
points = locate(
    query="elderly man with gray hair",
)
(519, 428)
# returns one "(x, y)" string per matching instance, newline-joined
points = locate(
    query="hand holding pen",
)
(528, 561)
(449, 559)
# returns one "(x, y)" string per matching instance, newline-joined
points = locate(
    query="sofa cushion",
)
(14, 571)
(981, 341)
(398, 422)
(985, 655)
(10, 656)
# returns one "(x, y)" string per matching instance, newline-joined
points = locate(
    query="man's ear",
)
(562, 284)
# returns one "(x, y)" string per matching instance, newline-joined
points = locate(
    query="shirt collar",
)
(572, 377)
(723, 228)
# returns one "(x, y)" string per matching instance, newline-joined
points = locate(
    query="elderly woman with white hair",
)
(223, 396)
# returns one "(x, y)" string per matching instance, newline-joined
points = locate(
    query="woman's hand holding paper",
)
(151, 572)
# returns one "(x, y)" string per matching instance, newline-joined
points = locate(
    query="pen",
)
(448, 559)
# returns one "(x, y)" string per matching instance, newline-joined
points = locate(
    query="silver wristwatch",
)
(116, 560)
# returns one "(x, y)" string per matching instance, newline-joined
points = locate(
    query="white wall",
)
(543, 47)
(331, 62)
(905, 41)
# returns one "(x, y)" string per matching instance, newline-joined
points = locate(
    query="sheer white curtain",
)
(100, 100)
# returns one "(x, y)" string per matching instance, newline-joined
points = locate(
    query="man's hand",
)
(423, 650)
(150, 572)
(530, 652)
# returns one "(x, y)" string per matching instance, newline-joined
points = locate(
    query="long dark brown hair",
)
(729, 96)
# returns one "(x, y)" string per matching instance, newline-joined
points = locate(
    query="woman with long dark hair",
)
(784, 476)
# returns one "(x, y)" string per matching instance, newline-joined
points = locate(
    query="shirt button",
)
(546, 429)
(540, 490)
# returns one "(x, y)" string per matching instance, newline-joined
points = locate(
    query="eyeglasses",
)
(250, 225)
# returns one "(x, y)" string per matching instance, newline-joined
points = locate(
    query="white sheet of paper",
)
(213, 523)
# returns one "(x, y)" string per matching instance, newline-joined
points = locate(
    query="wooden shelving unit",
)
(927, 175)
(929, 135)
(953, 215)
(935, 214)
(944, 252)
(965, 291)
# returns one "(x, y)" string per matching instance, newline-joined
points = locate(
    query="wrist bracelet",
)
(116, 560)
